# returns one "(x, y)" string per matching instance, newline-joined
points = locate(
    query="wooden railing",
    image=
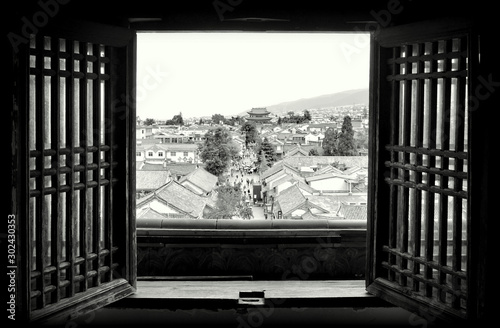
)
(252, 249)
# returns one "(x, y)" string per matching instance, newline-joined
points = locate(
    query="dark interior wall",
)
(23, 17)
(267, 316)
(313, 15)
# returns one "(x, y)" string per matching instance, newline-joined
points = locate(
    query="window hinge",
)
(251, 298)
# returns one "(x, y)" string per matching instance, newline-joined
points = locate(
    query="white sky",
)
(200, 74)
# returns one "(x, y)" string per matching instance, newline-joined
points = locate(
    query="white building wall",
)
(179, 156)
(158, 206)
(140, 157)
(283, 186)
(331, 184)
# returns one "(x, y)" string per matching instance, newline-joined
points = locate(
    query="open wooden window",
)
(75, 169)
(420, 217)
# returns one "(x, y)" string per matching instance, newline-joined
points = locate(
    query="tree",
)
(234, 149)
(250, 132)
(279, 120)
(235, 120)
(307, 115)
(267, 150)
(313, 152)
(330, 142)
(218, 119)
(263, 166)
(365, 112)
(229, 203)
(177, 119)
(149, 121)
(245, 212)
(215, 151)
(361, 139)
(346, 144)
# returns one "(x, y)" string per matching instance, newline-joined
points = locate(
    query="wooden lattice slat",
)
(427, 177)
(71, 180)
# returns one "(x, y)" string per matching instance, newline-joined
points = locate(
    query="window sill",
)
(161, 294)
(248, 228)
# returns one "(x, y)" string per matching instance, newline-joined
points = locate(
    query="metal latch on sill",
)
(251, 298)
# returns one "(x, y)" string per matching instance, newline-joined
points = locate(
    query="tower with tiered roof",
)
(259, 115)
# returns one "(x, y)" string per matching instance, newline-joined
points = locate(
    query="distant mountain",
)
(344, 98)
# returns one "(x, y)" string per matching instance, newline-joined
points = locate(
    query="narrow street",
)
(258, 213)
(238, 173)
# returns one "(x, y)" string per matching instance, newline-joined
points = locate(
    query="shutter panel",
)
(418, 245)
(75, 195)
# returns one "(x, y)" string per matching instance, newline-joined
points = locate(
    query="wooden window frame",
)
(103, 269)
(21, 169)
(380, 228)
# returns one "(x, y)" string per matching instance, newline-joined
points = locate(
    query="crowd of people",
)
(243, 172)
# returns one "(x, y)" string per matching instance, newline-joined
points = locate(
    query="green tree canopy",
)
(218, 118)
(215, 151)
(330, 142)
(361, 139)
(176, 120)
(263, 165)
(149, 121)
(307, 115)
(292, 118)
(313, 152)
(230, 203)
(250, 132)
(268, 152)
(347, 145)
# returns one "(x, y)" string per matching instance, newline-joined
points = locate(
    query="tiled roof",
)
(202, 179)
(289, 199)
(169, 147)
(153, 166)
(353, 212)
(259, 111)
(147, 141)
(352, 170)
(297, 151)
(166, 135)
(286, 177)
(179, 197)
(149, 213)
(328, 175)
(308, 216)
(278, 166)
(304, 186)
(321, 125)
(180, 168)
(332, 202)
(327, 169)
(292, 198)
(150, 180)
(180, 146)
(349, 161)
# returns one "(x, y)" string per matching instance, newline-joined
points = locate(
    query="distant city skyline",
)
(200, 74)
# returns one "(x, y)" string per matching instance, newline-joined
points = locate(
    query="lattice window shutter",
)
(419, 220)
(76, 169)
